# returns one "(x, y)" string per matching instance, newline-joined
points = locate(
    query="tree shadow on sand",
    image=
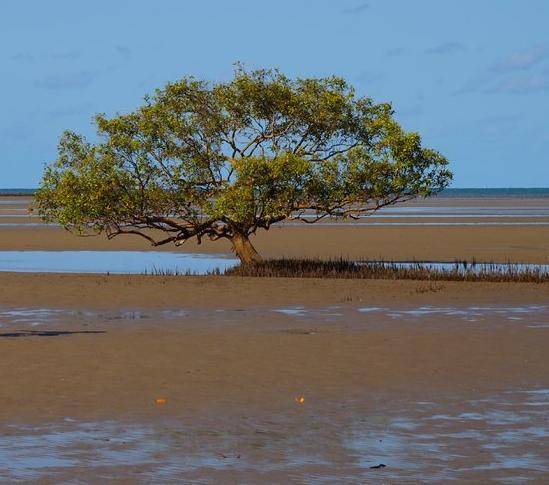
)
(45, 333)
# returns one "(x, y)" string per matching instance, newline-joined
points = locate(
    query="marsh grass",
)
(177, 272)
(344, 269)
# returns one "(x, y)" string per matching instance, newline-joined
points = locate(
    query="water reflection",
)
(497, 437)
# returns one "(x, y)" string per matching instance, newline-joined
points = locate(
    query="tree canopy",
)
(222, 160)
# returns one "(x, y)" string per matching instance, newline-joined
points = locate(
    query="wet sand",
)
(524, 244)
(436, 380)
(258, 360)
(139, 291)
(239, 350)
(488, 243)
(381, 440)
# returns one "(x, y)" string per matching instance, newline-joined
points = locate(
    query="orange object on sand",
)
(160, 401)
(300, 400)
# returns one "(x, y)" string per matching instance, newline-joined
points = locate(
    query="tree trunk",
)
(244, 249)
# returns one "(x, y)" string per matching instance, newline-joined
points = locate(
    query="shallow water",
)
(28, 224)
(139, 262)
(500, 437)
(115, 262)
(399, 221)
(402, 223)
(325, 314)
(450, 215)
(527, 316)
(451, 212)
(397, 216)
(523, 211)
(526, 313)
(22, 318)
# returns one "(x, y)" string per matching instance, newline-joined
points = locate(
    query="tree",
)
(223, 160)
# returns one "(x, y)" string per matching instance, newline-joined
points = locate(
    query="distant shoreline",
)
(17, 192)
(526, 192)
(452, 193)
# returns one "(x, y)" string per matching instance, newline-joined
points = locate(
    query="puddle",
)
(496, 437)
(529, 314)
(115, 262)
(327, 314)
(294, 311)
(539, 325)
(19, 319)
(31, 316)
(16, 318)
(32, 453)
(457, 440)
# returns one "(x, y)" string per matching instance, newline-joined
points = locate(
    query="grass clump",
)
(341, 268)
(178, 272)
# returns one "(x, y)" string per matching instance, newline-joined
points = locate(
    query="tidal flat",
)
(229, 378)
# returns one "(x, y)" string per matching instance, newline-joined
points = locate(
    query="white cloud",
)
(534, 83)
(521, 61)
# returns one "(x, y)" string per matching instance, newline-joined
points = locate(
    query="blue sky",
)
(472, 76)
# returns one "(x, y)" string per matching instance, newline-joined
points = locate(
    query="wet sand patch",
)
(526, 244)
(491, 437)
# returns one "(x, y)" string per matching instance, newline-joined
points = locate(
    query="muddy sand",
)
(437, 381)
(488, 244)
(496, 242)
(278, 380)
